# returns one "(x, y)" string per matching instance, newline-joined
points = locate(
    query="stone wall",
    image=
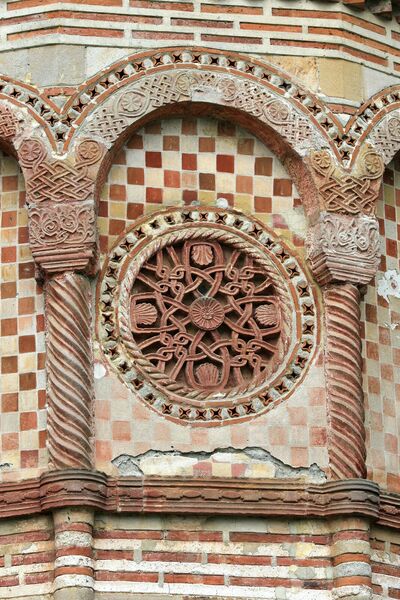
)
(381, 309)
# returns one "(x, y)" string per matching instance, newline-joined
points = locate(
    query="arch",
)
(19, 100)
(377, 122)
(289, 120)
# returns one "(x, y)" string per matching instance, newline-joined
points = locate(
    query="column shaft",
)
(69, 371)
(343, 366)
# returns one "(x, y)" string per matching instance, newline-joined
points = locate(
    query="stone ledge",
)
(255, 497)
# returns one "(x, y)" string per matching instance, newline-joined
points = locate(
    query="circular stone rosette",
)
(206, 315)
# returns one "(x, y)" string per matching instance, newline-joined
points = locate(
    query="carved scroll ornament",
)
(62, 236)
(206, 316)
(344, 248)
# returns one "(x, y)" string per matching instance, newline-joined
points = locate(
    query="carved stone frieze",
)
(198, 302)
(8, 123)
(115, 115)
(344, 192)
(344, 248)
(385, 136)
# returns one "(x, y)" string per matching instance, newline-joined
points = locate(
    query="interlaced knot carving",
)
(207, 315)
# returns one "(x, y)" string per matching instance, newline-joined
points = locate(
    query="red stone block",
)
(28, 420)
(27, 343)
(189, 162)
(154, 195)
(9, 402)
(282, 187)
(29, 459)
(172, 179)
(9, 364)
(27, 381)
(153, 160)
(225, 163)
(135, 176)
(263, 166)
(171, 142)
(206, 144)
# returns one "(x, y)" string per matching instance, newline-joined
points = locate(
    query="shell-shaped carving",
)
(202, 254)
(267, 315)
(145, 314)
(207, 374)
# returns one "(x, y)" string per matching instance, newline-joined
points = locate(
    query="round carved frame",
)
(300, 328)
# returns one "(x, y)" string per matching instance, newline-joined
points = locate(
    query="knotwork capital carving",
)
(344, 248)
(347, 192)
(62, 230)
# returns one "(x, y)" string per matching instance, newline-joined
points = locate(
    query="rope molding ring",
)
(261, 251)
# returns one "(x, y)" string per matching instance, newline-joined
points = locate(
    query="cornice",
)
(240, 497)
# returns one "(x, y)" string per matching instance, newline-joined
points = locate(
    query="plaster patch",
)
(389, 285)
(249, 462)
(99, 370)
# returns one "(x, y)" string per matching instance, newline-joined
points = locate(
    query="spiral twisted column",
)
(69, 371)
(343, 367)
(344, 254)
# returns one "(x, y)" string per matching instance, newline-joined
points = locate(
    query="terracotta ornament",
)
(344, 192)
(344, 248)
(199, 314)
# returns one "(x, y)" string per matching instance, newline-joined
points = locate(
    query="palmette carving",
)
(344, 382)
(69, 372)
(344, 248)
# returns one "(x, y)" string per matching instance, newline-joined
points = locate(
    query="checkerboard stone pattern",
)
(180, 162)
(381, 348)
(184, 161)
(22, 427)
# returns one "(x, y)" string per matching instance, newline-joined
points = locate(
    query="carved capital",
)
(63, 236)
(348, 192)
(344, 248)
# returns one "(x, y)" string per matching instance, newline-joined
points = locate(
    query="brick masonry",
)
(259, 26)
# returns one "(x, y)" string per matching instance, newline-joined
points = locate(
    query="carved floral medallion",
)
(206, 315)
